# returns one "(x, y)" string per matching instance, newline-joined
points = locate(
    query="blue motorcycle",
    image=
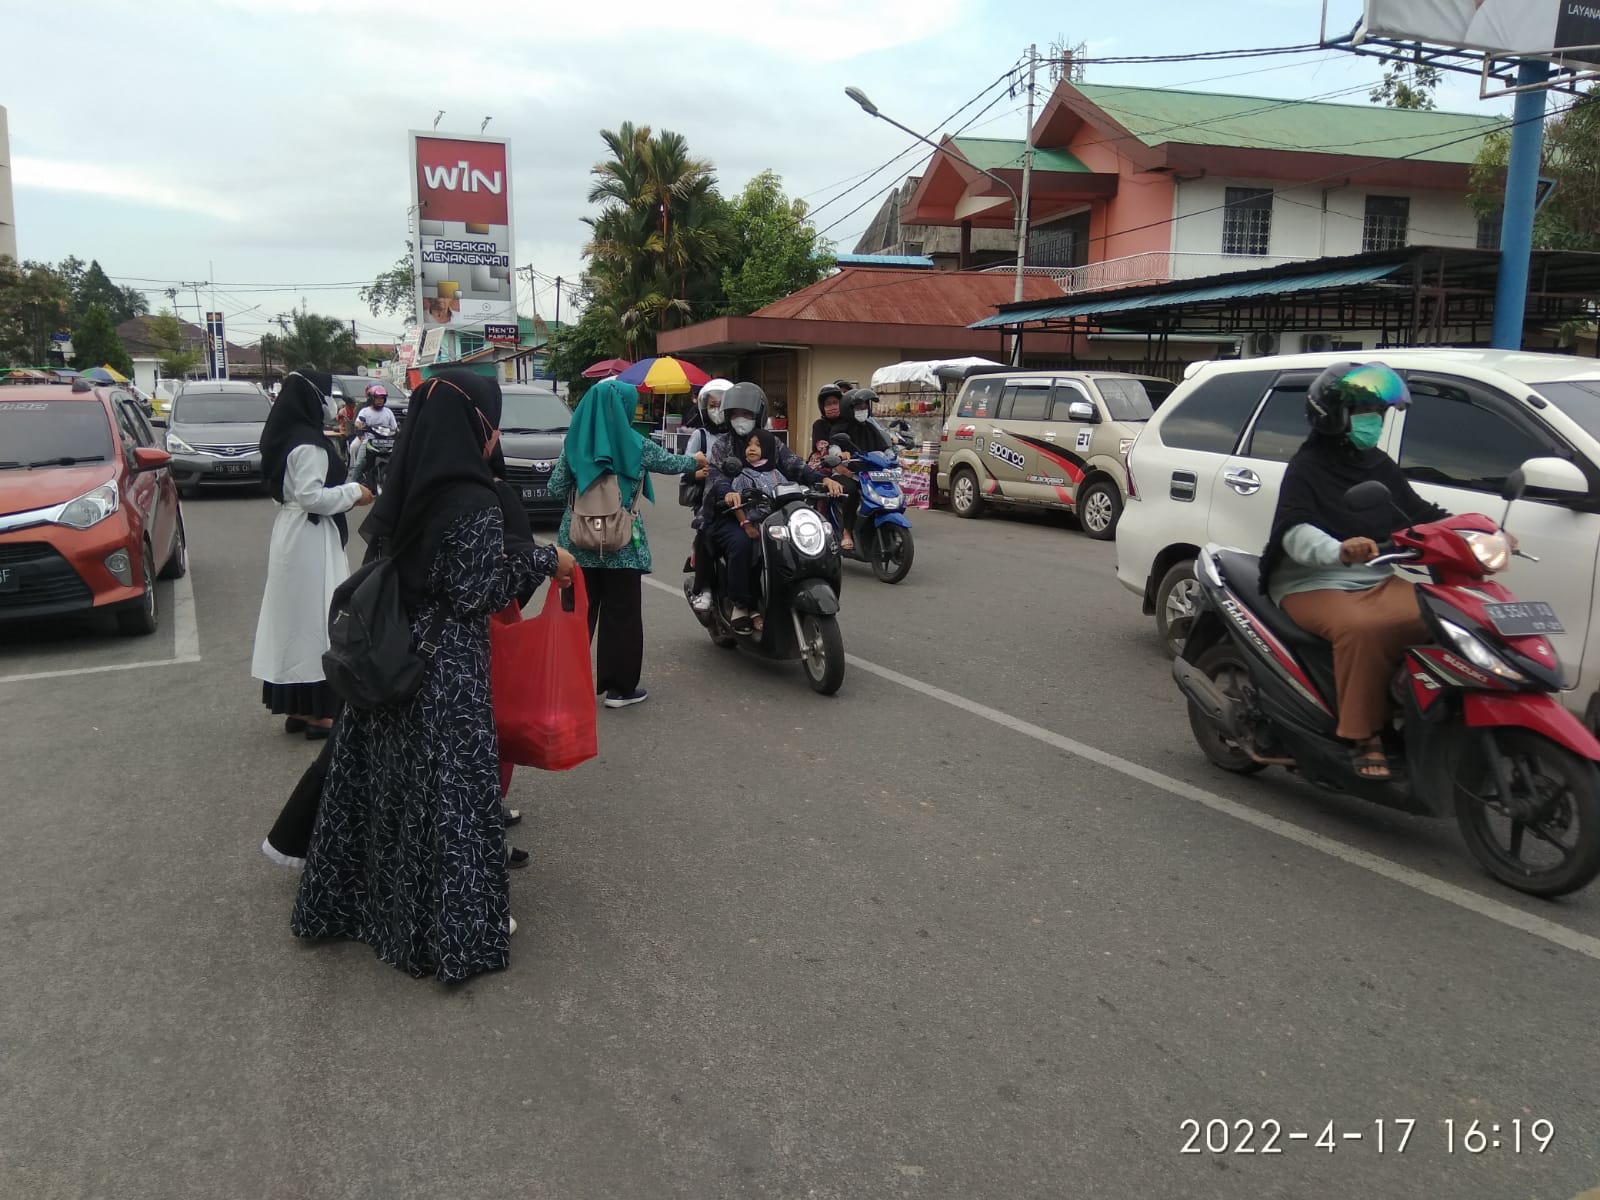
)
(881, 530)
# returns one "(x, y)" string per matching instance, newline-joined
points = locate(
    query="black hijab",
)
(297, 419)
(1321, 472)
(437, 473)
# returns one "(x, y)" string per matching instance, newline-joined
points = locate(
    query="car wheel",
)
(1177, 602)
(1099, 507)
(964, 498)
(141, 618)
(178, 560)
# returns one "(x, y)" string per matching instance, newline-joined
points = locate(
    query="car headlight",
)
(1492, 550)
(176, 445)
(90, 508)
(1480, 655)
(807, 531)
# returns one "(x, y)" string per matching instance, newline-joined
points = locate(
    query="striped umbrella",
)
(665, 376)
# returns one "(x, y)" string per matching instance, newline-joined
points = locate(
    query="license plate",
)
(234, 468)
(1525, 618)
(534, 493)
(10, 579)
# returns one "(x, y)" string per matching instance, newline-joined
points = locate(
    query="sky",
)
(260, 145)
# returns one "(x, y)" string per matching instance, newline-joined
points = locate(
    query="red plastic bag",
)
(544, 708)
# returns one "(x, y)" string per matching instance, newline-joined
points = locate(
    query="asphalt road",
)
(983, 925)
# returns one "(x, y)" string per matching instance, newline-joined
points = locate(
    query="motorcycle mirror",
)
(1369, 493)
(1516, 484)
(831, 460)
(731, 467)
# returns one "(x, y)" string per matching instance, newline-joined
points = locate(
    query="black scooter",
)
(797, 593)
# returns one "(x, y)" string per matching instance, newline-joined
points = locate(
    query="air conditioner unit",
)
(1258, 345)
(1316, 343)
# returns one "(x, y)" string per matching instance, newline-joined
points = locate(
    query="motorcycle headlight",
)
(1480, 655)
(807, 532)
(176, 445)
(890, 502)
(90, 508)
(1492, 550)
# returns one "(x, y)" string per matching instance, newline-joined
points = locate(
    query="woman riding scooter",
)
(862, 434)
(712, 425)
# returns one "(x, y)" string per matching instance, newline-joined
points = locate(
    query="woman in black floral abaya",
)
(409, 851)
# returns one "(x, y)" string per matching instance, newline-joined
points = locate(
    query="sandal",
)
(846, 542)
(743, 625)
(1370, 762)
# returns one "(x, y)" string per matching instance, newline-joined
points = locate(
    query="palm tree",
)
(324, 343)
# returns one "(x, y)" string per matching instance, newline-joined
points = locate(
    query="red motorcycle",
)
(1479, 730)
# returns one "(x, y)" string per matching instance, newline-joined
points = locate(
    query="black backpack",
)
(370, 661)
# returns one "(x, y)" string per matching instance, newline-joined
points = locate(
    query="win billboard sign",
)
(461, 191)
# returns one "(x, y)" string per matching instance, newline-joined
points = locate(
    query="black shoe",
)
(513, 817)
(516, 858)
(318, 733)
(294, 724)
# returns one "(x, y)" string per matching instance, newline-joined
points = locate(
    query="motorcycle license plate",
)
(1525, 618)
(238, 468)
(534, 493)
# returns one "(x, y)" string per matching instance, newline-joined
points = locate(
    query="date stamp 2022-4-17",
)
(1383, 1135)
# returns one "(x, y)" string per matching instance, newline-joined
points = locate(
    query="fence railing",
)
(1153, 266)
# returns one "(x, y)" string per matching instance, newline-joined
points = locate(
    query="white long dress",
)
(304, 565)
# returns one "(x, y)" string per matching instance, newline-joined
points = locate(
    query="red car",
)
(88, 507)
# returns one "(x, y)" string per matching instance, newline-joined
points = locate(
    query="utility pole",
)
(1023, 206)
(558, 302)
(1522, 187)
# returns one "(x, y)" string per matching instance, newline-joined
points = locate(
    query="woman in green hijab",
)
(600, 441)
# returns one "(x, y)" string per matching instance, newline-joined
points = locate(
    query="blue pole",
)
(1522, 187)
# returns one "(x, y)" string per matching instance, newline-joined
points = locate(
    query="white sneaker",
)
(701, 602)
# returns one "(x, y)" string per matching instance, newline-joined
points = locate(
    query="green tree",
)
(573, 347)
(773, 249)
(34, 303)
(394, 290)
(96, 344)
(324, 343)
(1570, 219)
(177, 350)
(1407, 85)
(91, 286)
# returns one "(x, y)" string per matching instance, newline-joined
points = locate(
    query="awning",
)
(1169, 296)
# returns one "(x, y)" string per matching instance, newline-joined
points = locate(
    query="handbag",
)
(544, 710)
(599, 522)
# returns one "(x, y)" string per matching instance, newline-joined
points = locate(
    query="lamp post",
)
(871, 109)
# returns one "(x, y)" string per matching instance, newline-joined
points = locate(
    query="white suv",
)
(1207, 467)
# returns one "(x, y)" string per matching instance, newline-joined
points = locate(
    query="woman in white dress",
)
(307, 558)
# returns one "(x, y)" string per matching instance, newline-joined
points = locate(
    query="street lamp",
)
(871, 109)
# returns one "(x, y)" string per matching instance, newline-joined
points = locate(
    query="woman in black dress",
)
(409, 852)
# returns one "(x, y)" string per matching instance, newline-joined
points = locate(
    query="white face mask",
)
(743, 425)
(714, 414)
(861, 413)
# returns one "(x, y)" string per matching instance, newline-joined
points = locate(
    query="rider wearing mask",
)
(858, 435)
(712, 425)
(830, 402)
(376, 415)
(1311, 567)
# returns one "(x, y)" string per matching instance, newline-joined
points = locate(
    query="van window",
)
(1025, 402)
(1062, 398)
(1126, 399)
(979, 398)
(1211, 417)
(1463, 437)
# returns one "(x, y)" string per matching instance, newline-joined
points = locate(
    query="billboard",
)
(461, 189)
(1504, 28)
(216, 347)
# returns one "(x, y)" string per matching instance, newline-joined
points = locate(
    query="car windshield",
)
(1126, 399)
(221, 409)
(1578, 398)
(533, 412)
(52, 433)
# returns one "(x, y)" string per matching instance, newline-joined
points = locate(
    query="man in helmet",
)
(1312, 565)
(376, 415)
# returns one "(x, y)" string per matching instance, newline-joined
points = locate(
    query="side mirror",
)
(159, 422)
(731, 467)
(1082, 411)
(1549, 475)
(148, 458)
(831, 460)
(1369, 493)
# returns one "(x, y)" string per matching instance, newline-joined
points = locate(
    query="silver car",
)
(214, 434)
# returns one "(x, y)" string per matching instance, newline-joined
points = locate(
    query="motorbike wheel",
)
(1226, 668)
(1553, 812)
(822, 653)
(892, 552)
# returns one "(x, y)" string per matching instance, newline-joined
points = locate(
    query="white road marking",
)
(1484, 906)
(185, 642)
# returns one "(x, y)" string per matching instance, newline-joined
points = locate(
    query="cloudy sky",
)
(261, 144)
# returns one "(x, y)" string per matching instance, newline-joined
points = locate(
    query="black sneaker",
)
(618, 700)
(513, 817)
(516, 858)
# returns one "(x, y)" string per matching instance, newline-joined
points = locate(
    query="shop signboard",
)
(461, 188)
(1564, 29)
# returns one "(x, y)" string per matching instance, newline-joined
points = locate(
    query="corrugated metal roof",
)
(1109, 303)
(1159, 115)
(992, 154)
(898, 296)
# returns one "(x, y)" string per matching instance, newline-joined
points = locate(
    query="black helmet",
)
(829, 390)
(745, 397)
(1348, 385)
(862, 396)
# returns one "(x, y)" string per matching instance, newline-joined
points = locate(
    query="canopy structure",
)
(929, 373)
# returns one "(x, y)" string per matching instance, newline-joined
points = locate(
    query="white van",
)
(1207, 468)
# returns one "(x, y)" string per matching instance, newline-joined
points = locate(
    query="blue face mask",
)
(1366, 430)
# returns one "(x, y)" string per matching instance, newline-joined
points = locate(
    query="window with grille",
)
(1247, 221)
(1386, 223)
(1489, 231)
